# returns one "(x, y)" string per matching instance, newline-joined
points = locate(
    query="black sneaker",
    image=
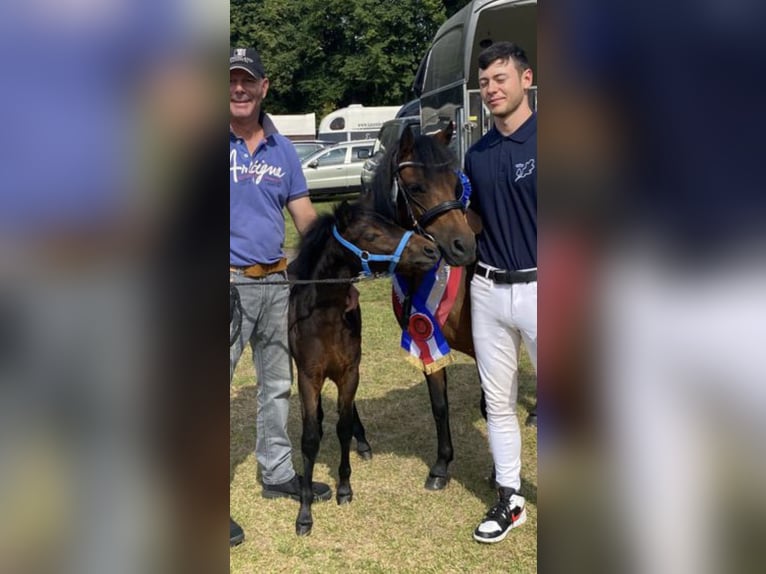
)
(507, 513)
(236, 534)
(292, 489)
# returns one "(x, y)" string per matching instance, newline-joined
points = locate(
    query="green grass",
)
(393, 523)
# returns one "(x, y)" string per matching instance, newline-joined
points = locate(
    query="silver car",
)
(337, 170)
(306, 148)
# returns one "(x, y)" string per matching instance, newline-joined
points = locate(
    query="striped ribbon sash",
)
(422, 341)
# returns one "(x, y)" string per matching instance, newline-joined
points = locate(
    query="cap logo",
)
(240, 55)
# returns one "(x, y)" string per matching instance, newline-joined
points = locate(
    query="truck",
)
(355, 122)
(447, 81)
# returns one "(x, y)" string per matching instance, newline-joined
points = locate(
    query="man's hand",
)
(352, 299)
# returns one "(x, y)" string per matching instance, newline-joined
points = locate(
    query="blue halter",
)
(365, 256)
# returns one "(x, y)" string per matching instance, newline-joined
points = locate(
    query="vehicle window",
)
(338, 124)
(305, 150)
(333, 157)
(360, 153)
(446, 62)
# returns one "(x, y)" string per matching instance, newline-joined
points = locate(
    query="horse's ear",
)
(343, 215)
(406, 142)
(445, 136)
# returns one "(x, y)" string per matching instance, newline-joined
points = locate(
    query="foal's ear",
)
(406, 142)
(445, 136)
(343, 215)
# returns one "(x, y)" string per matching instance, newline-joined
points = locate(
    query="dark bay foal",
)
(325, 340)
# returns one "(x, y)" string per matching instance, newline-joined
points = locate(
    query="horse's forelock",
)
(435, 157)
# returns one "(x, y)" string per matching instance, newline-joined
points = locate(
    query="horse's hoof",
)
(436, 482)
(365, 454)
(303, 529)
(344, 498)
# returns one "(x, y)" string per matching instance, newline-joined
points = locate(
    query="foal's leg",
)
(437, 390)
(310, 391)
(320, 416)
(346, 391)
(363, 447)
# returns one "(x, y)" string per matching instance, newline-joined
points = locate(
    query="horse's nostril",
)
(457, 245)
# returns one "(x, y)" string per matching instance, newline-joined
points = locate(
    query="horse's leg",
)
(437, 390)
(320, 416)
(363, 447)
(310, 393)
(346, 391)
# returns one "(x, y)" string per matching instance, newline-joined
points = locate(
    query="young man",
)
(264, 177)
(503, 212)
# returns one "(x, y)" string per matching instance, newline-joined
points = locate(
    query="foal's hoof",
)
(436, 482)
(365, 453)
(303, 529)
(344, 498)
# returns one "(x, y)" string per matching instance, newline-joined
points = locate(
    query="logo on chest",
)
(255, 170)
(524, 169)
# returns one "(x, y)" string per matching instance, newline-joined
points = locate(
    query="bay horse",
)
(325, 340)
(417, 185)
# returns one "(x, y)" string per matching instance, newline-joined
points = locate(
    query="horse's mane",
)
(434, 155)
(313, 245)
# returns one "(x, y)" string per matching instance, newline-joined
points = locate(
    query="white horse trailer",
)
(296, 127)
(355, 122)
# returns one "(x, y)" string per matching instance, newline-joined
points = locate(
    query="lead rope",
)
(235, 311)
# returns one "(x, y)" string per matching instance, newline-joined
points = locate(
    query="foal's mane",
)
(435, 156)
(310, 261)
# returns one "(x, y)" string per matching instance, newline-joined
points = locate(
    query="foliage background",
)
(321, 55)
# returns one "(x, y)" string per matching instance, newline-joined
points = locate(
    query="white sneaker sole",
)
(500, 537)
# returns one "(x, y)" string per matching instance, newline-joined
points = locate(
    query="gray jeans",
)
(264, 324)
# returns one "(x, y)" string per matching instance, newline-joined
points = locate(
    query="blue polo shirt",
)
(260, 186)
(503, 174)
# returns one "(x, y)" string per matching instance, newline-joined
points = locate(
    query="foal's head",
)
(376, 235)
(417, 185)
(321, 255)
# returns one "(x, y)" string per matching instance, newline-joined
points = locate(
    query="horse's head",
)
(417, 184)
(370, 232)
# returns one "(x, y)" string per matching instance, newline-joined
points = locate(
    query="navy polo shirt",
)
(503, 174)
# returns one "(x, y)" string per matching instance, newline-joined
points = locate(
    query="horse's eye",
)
(370, 237)
(415, 188)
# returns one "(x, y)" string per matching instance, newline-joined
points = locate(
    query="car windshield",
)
(306, 149)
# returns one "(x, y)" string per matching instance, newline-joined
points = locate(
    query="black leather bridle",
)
(399, 189)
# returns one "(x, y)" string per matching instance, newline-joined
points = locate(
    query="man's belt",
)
(504, 277)
(260, 269)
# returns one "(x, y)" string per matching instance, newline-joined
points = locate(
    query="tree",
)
(324, 54)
